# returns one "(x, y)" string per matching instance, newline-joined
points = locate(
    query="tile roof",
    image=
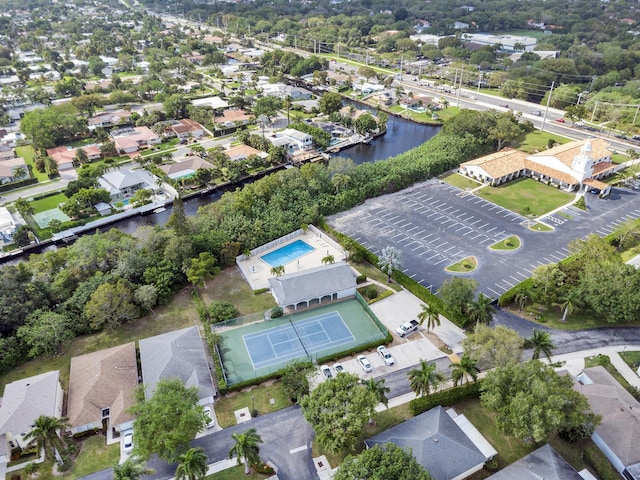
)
(593, 183)
(234, 115)
(500, 164)
(603, 167)
(243, 151)
(25, 400)
(103, 379)
(190, 163)
(566, 152)
(550, 172)
(178, 354)
(436, 442)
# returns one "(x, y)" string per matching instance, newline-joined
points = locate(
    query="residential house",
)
(8, 225)
(618, 435)
(233, 116)
(241, 152)
(108, 119)
(122, 184)
(102, 388)
(545, 463)
(13, 169)
(186, 128)
(446, 444)
(23, 402)
(130, 140)
(314, 285)
(179, 354)
(6, 152)
(416, 103)
(216, 103)
(301, 140)
(65, 157)
(569, 166)
(185, 168)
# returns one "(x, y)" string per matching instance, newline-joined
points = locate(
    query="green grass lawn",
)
(631, 358)
(374, 274)
(511, 243)
(28, 153)
(536, 141)
(460, 181)
(262, 394)
(235, 473)
(526, 197)
(230, 286)
(417, 116)
(48, 203)
(94, 456)
(552, 317)
(468, 264)
(618, 158)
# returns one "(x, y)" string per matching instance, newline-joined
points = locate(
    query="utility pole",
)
(455, 79)
(546, 110)
(401, 60)
(479, 81)
(459, 87)
(593, 114)
(636, 115)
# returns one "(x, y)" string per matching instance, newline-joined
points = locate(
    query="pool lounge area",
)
(298, 251)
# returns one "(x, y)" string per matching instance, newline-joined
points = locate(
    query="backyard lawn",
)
(28, 153)
(48, 203)
(460, 181)
(526, 197)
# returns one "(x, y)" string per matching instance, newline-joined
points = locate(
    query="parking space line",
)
(443, 260)
(496, 293)
(397, 235)
(461, 228)
(419, 246)
(441, 245)
(478, 235)
(485, 240)
(412, 229)
(433, 256)
(447, 250)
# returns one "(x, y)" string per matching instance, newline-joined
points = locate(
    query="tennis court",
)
(305, 337)
(264, 347)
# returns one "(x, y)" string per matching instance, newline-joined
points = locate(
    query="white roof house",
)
(23, 402)
(123, 183)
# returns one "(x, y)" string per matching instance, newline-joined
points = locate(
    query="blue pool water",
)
(288, 253)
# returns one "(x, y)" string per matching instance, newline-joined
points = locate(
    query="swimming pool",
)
(288, 253)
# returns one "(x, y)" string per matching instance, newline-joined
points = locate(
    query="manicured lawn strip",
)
(28, 153)
(94, 456)
(510, 243)
(235, 473)
(373, 273)
(552, 317)
(526, 196)
(418, 116)
(536, 141)
(468, 264)
(565, 215)
(540, 227)
(262, 394)
(632, 359)
(460, 181)
(48, 203)
(618, 158)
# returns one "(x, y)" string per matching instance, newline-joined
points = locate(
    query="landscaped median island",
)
(466, 265)
(511, 243)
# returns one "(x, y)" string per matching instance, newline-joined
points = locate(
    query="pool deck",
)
(257, 272)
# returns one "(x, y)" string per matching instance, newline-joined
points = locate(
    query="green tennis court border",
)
(237, 363)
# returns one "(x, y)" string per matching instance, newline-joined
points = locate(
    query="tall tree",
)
(425, 379)
(168, 421)
(378, 388)
(466, 368)
(458, 292)
(192, 465)
(431, 315)
(111, 305)
(387, 461)
(246, 448)
(481, 310)
(390, 260)
(493, 347)
(133, 468)
(540, 342)
(45, 332)
(532, 402)
(202, 269)
(337, 410)
(46, 433)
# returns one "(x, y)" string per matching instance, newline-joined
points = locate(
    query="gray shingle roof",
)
(25, 400)
(178, 354)
(544, 462)
(317, 282)
(122, 178)
(436, 442)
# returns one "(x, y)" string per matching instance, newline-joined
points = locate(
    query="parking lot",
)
(435, 225)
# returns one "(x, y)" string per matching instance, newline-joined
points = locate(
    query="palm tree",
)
(192, 465)
(246, 447)
(521, 299)
(540, 342)
(569, 304)
(378, 388)
(389, 261)
(423, 379)
(20, 172)
(463, 370)
(328, 260)
(277, 271)
(132, 469)
(431, 315)
(45, 433)
(481, 310)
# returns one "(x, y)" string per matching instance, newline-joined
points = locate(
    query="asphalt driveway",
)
(435, 225)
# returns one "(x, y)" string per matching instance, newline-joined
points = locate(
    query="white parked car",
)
(338, 367)
(385, 355)
(208, 414)
(326, 371)
(364, 363)
(127, 441)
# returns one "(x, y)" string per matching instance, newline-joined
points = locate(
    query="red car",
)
(561, 120)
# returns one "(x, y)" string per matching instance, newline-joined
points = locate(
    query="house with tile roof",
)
(545, 462)
(314, 285)
(233, 116)
(10, 168)
(618, 435)
(130, 140)
(102, 388)
(241, 152)
(65, 157)
(446, 444)
(570, 166)
(186, 167)
(186, 128)
(23, 402)
(179, 354)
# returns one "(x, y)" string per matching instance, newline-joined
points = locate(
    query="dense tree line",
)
(106, 279)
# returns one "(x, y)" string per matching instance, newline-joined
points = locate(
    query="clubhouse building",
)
(569, 167)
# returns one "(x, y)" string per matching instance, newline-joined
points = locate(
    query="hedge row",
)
(445, 397)
(509, 297)
(13, 185)
(594, 457)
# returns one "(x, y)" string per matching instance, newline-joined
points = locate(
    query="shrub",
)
(492, 465)
(509, 297)
(276, 312)
(220, 311)
(260, 291)
(594, 457)
(445, 397)
(361, 279)
(372, 292)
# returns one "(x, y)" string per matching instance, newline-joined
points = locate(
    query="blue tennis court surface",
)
(300, 339)
(288, 253)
